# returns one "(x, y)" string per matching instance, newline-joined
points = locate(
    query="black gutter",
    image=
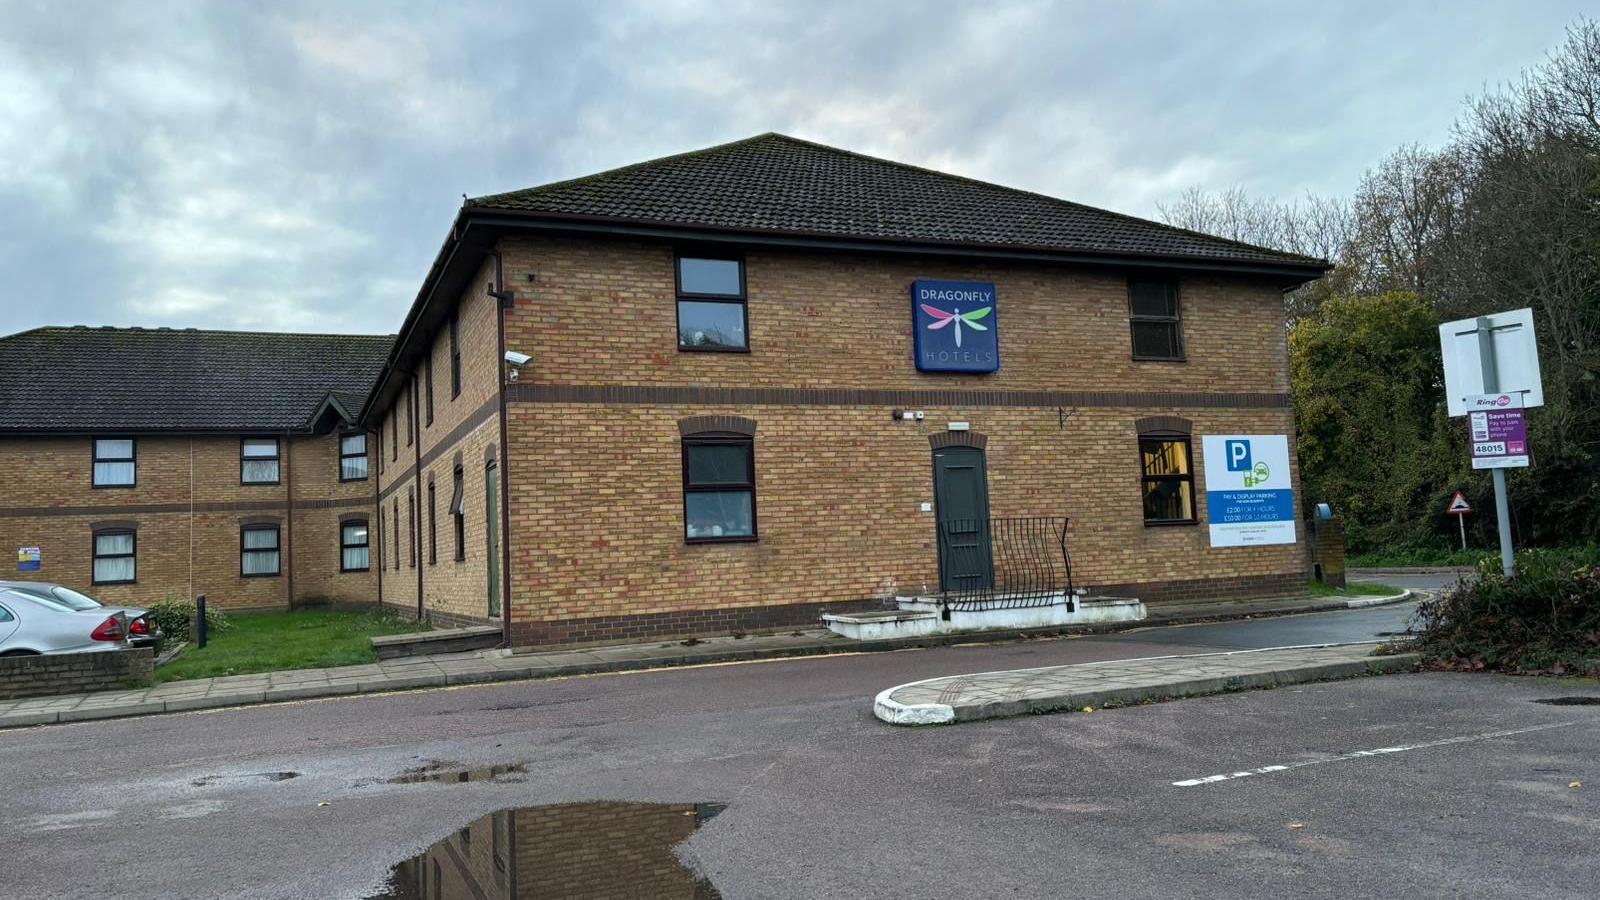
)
(503, 299)
(416, 503)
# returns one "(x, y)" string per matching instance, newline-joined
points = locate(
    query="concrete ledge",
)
(440, 640)
(995, 695)
(1364, 602)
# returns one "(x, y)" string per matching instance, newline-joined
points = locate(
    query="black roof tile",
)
(85, 379)
(779, 184)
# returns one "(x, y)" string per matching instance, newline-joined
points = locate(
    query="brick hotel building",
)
(750, 384)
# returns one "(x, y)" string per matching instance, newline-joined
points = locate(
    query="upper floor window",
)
(1153, 316)
(711, 305)
(114, 462)
(394, 434)
(719, 487)
(411, 417)
(427, 377)
(258, 461)
(114, 557)
(258, 551)
(1167, 480)
(353, 456)
(455, 353)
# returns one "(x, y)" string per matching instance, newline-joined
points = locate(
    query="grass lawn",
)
(1353, 589)
(302, 639)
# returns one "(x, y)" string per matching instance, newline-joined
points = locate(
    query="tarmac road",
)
(824, 801)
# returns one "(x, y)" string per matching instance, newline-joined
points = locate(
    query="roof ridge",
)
(905, 166)
(592, 176)
(164, 329)
(1129, 217)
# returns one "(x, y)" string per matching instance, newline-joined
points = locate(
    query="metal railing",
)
(1008, 563)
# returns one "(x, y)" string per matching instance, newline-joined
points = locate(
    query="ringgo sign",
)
(1499, 432)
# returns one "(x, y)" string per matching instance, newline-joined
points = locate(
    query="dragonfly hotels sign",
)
(956, 325)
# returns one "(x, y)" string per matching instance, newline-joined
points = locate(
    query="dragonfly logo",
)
(957, 318)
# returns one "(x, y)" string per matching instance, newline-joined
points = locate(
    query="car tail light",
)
(139, 626)
(109, 630)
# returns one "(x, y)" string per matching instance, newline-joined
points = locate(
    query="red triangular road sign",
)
(1458, 505)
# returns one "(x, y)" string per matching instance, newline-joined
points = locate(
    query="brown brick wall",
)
(46, 500)
(467, 426)
(74, 673)
(596, 497)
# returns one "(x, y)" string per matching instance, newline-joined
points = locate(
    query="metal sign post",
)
(1502, 503)
(1495, 355)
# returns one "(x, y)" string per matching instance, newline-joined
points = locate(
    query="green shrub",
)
(173, 618)
(1544, 619)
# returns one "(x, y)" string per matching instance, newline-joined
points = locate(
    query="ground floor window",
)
(458, 513)
(258, 551)
(1168, 479)
(719, 487)
(353, 546)
(114, 557)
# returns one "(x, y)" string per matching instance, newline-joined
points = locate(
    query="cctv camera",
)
(517, 359)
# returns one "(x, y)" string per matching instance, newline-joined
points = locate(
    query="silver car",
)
(38, 617)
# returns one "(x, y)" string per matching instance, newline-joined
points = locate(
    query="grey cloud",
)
(295, 165)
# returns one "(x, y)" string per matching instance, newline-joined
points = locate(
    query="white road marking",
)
(1359, 754)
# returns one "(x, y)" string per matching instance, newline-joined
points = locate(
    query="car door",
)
(8, 624)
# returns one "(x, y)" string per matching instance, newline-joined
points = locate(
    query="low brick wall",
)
(74, 673)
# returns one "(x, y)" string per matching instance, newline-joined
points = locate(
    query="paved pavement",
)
(1020, 692)
(407, 673)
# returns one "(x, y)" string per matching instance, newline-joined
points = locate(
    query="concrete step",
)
(440, 640)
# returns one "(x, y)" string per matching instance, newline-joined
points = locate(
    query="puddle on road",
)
(1570, 701)
(208, 780)
(450, 773)
(573, 850)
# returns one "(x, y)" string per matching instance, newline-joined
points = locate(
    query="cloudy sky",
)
(294, 166)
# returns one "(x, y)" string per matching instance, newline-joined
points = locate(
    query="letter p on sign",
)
(1239, 456)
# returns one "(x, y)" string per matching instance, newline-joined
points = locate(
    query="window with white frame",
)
(258, 461)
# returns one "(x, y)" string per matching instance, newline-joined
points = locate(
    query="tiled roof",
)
(164, 379)
(783, 185)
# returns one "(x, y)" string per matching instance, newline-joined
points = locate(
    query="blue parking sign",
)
(1238, 455)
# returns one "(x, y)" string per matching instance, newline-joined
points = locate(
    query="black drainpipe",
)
(416, 503)
(503, 299)
(374, 534)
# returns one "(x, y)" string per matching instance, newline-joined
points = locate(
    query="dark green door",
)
(961, 502)
(491, 493)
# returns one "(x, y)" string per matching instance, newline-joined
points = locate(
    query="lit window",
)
(1168, 480)
(354, 546)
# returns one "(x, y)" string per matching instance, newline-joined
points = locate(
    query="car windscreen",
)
(74, 599)
(45, 597)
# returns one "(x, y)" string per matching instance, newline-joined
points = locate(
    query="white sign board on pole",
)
(1511, 349)
(1249, 497)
